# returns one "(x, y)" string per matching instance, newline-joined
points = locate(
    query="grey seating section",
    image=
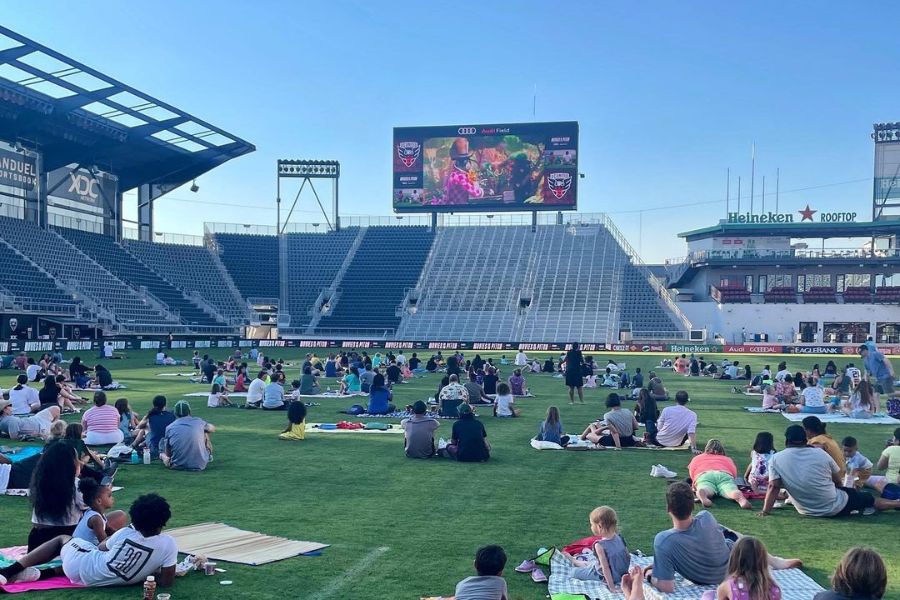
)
(252, 262)
(106, 251)
(66, 263)
(22, 280)
(192, 269)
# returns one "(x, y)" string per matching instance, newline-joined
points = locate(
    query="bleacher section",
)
(386, 264)
(470, 286)
(193, 269)
(640, 304)
(313, 261)
(26, 284)
(98, 287)
(252, 262)
(577, 279)
(105, 251)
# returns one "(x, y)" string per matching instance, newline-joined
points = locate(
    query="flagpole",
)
(752, 173)
(727, 189)
(763, 195)
(777, 178)
(739, 194)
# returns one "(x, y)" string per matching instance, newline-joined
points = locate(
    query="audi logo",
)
(466, 130)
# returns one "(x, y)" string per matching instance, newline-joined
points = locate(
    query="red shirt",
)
(711, 462)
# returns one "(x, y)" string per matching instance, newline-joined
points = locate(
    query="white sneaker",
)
(664, 472)
(28, 575)
(654, 471)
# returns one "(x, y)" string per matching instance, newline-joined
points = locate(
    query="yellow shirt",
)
(892, 453)
(834, 451)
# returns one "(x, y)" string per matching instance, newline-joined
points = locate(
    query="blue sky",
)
(668, 94)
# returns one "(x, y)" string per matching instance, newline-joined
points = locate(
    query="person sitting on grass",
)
(861, 575)
(489, 583)
(101, 423)
(418, 437)
(888, 485)
(713, 474)
(25, 400)
(646, 411)
(863, 402)
(186, 445)
(90, 464)
(504, 403)
(309, 385)
(676, 425)
(476, 392)
(96, 524)
(697, 547)
(859, 468)
(814, 482)
(217, 397)
(620, 423)
(517, 383)
(468, 439)
(609, 557)
(551, 429)
(379, 397)
(273, 397)
(748, 574)
(817, 436)
(152, 428)
(127, 557)
(757, 473)
(657, 390)
(296, 428)
(56, 504)
(350, 384)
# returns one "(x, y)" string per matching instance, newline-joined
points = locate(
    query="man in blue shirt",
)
(273, 396)
(878, 367)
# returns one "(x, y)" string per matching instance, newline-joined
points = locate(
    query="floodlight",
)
(194, 187)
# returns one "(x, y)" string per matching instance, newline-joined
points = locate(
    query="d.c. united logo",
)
(408, 152)
(559, 184)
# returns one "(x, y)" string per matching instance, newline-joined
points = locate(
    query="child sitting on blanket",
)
(769, 400)
(609, 559)
(217, 397)
(757, 474)
(859, 468)
(552, 430)
(95, 525)
(489, 584)
(296, 429)
(128, 420)
(748, 574)
(517, 383)
(504, 402)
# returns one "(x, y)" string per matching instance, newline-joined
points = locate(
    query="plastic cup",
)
(163, 596)
(209, 568)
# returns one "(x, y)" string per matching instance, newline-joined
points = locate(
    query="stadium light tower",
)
(307, 170)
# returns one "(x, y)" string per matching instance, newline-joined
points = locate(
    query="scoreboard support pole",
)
(533, 221)
(433, 221)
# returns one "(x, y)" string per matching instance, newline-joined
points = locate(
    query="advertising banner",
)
(486, 168)
(754, 349)
(818, 349)
(887, 171)
(80, 185)
(17, 170)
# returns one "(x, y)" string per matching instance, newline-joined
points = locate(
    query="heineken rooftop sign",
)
(806, 214)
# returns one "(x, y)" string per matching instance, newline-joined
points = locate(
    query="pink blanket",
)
(52, 583)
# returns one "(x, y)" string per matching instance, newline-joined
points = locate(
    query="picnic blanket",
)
(576, 443)
(755, 394)
(794, 583)
(878, 419)
(222, 542)
(19, 453)
(114, 386)
(206, 394)
(191, 374)
(400, 414)
(760, 409)
(244, 395)
(9, 555)
(332, 428)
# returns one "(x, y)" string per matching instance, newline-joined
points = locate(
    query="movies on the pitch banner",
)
(514, 167)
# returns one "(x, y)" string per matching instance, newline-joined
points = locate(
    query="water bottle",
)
(135, 460)
(146, 456)
(150, 588)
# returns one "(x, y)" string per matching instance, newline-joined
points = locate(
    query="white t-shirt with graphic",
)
(129, 559)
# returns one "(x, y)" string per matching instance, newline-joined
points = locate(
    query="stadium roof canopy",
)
(796, 230)
(71, 113)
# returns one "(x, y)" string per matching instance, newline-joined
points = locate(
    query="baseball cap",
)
(464, 409)
(182, 408)
(863, 347)
(795, 435)
(419, 408)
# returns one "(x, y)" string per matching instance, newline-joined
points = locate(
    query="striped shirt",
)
(101, 419)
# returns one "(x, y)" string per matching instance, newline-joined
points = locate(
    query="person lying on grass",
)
(697, 547)
(127, 557)
(713, 474)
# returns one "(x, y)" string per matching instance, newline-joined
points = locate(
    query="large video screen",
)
(486, 168)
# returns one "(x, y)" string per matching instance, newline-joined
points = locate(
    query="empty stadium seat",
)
(252, 262)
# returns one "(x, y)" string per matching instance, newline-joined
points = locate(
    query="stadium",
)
(801, 285)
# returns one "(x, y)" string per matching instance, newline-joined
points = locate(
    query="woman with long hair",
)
(646, 411)
(57, 507)
(551, 429)
(574, 362)
(862, 403)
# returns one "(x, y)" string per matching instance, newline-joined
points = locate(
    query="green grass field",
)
(401, 529)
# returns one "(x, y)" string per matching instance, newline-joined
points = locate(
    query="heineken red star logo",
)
(807, 214)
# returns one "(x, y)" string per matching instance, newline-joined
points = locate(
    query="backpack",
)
(893, 407)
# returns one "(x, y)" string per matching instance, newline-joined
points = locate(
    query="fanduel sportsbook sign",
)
(806, 214)
(17, 170)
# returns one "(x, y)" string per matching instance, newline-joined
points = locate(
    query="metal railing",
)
(750, 254)
(329, 332)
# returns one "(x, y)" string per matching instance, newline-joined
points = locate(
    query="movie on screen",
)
(486, 168)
